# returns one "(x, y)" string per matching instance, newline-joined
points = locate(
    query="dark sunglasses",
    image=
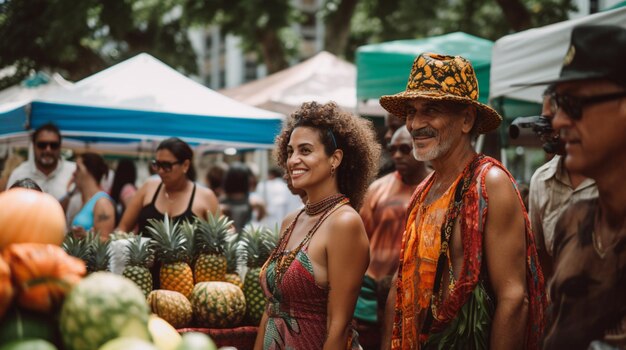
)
(403, 148)
(166, 166)
(573, 105)
(43, 145)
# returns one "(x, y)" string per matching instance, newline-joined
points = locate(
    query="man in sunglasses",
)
(47, 169)
(383, 212)
(552, 189)
(588, 289)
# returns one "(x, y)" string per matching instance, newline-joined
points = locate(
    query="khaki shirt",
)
(550, 194)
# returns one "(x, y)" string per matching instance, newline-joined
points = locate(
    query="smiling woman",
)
(313, 278)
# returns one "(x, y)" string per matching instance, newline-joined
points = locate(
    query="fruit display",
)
(172, 306)
(210, 239)
(258, 242)
(169, 244)
(233, 259)
(30, 216)
(217, 304)
(6, 287)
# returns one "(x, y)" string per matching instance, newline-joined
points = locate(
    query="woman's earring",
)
(332, 170)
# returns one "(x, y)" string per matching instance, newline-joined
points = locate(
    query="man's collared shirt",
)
(550, 194)
(54, 184)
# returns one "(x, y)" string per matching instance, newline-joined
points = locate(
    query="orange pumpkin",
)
(30, 216)
(43, 274)
(6, 288)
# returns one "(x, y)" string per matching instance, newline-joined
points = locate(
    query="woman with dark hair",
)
(123, 188)
(98, 211)
(174, 192)
(236, 202)
(313, 277)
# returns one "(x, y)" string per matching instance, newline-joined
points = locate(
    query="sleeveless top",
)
(150, 212)
(296, 307)
(84, 218)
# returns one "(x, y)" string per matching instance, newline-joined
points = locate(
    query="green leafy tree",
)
(263, 25)
(80, 38)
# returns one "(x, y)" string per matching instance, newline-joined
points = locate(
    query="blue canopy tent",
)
(143, 100)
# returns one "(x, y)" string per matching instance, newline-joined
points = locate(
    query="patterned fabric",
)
(419, 264)
(473, 218)
(442, 77)
(296, 308)
(588, 289)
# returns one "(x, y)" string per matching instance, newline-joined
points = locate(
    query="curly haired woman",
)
(312, 278)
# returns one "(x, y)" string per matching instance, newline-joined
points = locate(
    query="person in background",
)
(278, 198)
(173, 192)
(384, 213)
(47, 168)
(98, 212)
(27, 183)
(123, 188)
(552, 189)
(468, 271)
(312, 278)
(588, 289)
(12, 162)
(215, 178)
(392, 123)
(236, 203)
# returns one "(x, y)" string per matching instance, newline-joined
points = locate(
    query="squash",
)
(30, 216)
(43, 274)
(6, 288)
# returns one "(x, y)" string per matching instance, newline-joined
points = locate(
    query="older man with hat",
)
(588, 289)
(468, 271)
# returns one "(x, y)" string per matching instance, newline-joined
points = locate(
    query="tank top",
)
(150, 212)
(84, 218)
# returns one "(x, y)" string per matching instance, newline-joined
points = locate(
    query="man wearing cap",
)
(468, 271)
(588, 290)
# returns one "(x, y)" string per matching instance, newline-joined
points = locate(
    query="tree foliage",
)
(79, 38)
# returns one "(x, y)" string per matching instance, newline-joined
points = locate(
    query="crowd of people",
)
(423, 244)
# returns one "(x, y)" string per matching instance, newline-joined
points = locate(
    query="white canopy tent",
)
(536, 55)
(322, 78)
(139, 102)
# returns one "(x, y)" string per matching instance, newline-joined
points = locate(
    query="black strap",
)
(156, 194)
(447, 228)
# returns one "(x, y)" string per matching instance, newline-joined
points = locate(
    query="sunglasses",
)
(43, 145)
(573, 105)
(403, 148)
(166, 166)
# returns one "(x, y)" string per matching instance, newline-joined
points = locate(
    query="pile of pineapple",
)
(200, 263)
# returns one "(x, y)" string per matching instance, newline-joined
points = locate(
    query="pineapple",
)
(76, 247)
(218, 304)
(232, 263)
(140, 259)
(170, 246)
(210, 241)
(258, 243)
(100, 254)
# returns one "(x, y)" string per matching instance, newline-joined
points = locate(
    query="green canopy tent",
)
(383, 69)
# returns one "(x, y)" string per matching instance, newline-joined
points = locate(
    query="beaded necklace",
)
(313, 209)
(284, 258)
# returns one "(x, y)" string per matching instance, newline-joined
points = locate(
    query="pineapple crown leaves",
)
(140, 253)
(76, 246)
(233, 256)
(212, 234)
(188, 230)
(257, 244)
(168, 241)
(100, 253)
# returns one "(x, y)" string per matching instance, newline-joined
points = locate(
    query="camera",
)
(541, 126)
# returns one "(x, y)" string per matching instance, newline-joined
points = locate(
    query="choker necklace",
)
(313, 209)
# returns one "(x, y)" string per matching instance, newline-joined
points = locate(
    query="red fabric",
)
(240, 337)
